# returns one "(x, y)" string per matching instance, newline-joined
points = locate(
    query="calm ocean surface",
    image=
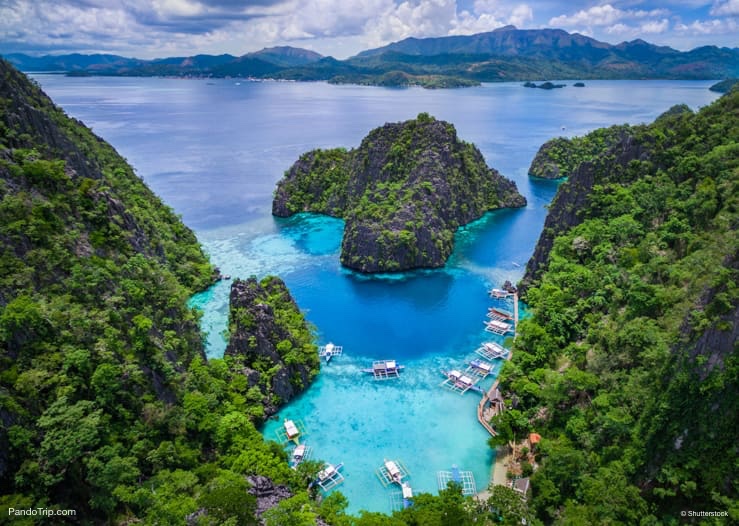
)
(213, 150)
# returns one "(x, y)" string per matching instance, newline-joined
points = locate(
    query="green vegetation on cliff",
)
(107, 405)
(558, 157)
(403, 192)
(628, 366)
(270, 342)
(724, 85)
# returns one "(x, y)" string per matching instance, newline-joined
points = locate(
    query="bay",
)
(214, 150)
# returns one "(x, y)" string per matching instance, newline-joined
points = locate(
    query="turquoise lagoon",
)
(214, 151)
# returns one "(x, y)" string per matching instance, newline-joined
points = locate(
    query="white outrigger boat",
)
(330, 350)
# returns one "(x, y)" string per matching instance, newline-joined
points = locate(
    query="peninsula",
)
(403, 192)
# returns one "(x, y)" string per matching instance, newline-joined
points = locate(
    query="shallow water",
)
(214, 151)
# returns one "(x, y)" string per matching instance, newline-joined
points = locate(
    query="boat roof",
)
(291, 428)
(327, 471)
(392, 467)
(480, 364)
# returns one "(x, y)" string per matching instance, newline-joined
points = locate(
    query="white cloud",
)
(619, 29)
(468, 24)
(709, 27)
(521, 15)
(602, 15)
(727, 8)
(166, 8)
(655, 26)
(418, 19)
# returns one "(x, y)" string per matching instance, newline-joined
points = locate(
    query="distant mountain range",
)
(506, 54)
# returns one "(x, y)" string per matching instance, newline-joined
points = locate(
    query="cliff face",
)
(403, 192)
(573, 196)
(270, 341)
(630, 354)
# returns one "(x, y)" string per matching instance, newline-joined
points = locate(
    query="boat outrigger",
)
(392, 472)
(402, 499)
(499, 293)
(498, 327)
(329, 477)
(291, 430)
(300, 453)
(464, 478)
(395, 472)
(330, 350)
(495, 313)
(384, 369)
(460, 382)
(480, 368)
(492, 351)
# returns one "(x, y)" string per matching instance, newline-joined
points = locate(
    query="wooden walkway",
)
(481, 416)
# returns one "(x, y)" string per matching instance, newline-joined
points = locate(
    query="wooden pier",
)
(485, 413)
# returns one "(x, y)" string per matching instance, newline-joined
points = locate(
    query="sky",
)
(341, 28)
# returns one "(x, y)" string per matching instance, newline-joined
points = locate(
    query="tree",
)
(510, 425)
(295, 511)
(226, 497)
(70, 431)
(508, 507)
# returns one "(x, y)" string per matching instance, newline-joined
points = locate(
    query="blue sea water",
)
(213, 150)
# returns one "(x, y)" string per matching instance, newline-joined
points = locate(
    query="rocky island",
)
(543, 85)
(269, 341)
(403, 192)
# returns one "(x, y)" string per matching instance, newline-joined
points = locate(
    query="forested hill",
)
(107, 405)
(628, 366)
